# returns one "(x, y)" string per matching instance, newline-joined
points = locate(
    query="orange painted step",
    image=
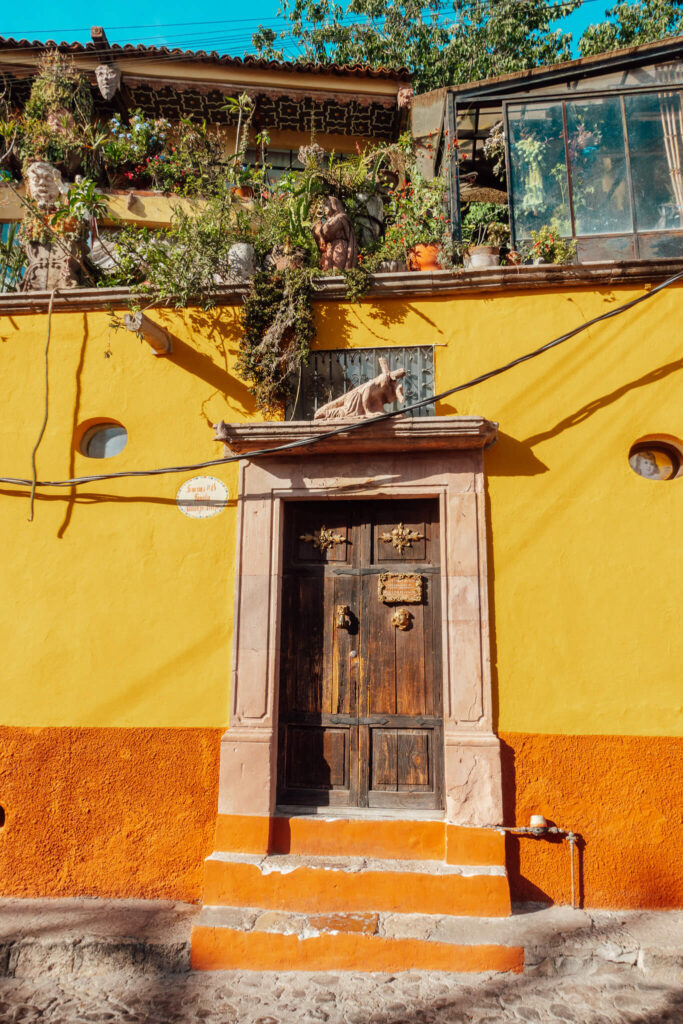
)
(327, 836)
(320, 884)
(215, 949)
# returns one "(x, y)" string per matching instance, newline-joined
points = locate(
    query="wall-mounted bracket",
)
(156, 337)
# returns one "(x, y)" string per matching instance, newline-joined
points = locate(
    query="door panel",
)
(360, 692)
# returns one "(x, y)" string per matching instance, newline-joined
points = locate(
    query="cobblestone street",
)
(618, 996)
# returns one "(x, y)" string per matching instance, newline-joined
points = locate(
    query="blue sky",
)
(199, 26)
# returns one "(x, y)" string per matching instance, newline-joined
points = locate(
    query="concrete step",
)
(227, 938)
(354, 884)
(331, 834)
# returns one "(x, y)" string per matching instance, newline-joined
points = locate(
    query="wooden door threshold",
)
(367, 813)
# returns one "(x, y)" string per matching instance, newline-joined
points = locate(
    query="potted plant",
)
(484, 231)
(418, 222)
(548, 246)
(241, 107)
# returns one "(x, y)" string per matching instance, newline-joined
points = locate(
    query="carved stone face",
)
(44, 183)
(108, 79)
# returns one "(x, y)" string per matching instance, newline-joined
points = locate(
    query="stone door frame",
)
(438, 457)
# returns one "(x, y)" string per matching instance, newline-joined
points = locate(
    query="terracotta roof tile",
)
(202, 57)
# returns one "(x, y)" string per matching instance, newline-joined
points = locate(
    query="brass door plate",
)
(400, 588)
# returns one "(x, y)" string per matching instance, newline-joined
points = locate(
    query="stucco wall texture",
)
(107, 812)
(117, 651)
(131, 813)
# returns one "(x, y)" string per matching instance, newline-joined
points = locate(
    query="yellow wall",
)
(118, 607)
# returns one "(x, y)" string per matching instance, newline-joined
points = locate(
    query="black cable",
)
(46, 408)
(360, 424)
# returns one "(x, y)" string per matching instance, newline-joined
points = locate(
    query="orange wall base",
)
(107, 812)
(132, 812)
(622, 794)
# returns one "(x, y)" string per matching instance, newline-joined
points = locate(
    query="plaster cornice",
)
(401, 434)
(407, 284)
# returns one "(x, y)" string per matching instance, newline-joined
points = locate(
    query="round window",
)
(104, 440)
(655, 460)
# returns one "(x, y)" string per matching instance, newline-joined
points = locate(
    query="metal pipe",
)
(541, 832)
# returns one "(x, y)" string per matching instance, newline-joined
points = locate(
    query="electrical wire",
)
(34, 469)
(244, 35)
(360, 424)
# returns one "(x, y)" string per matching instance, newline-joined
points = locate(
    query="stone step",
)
(333, 834)
(227, 938)
(354, 885)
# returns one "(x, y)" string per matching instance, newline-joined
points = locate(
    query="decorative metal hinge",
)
(323, 538)
(401, 537)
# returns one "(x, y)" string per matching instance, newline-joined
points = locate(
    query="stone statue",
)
(335, 237)
(51, 264)
(367, 399)
(108, 79)
(44, 184)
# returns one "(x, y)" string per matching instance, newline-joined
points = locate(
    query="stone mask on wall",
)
(44, 183)
(108, 79)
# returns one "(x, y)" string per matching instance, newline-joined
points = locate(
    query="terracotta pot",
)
(425, 257)
(480, 256)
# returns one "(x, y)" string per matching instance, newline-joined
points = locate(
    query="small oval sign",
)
(202, 497)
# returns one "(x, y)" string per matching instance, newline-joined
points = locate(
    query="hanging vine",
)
(278, 327)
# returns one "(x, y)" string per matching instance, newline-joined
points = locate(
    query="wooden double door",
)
(360, 715)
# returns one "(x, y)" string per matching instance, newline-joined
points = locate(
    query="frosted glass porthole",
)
(655, 460)
(104, 440)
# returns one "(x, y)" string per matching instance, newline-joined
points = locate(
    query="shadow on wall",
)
(620, 794)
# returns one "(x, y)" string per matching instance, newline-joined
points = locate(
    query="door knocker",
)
(401, 619)
(343, 620)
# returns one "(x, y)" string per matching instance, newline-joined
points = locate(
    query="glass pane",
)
(103, 442)
(655, 138)
(597, 153)
(601, 248)
(538, 171)
(661, 246)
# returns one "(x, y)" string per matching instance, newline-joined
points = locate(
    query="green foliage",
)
(479, 39)
(277, 330)
(59, 86)
(629, 24)
(484, 224)
(82, 202)
(56, 124)
(548, 245)
(187, 262)
(12, 258)
(357, 281)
